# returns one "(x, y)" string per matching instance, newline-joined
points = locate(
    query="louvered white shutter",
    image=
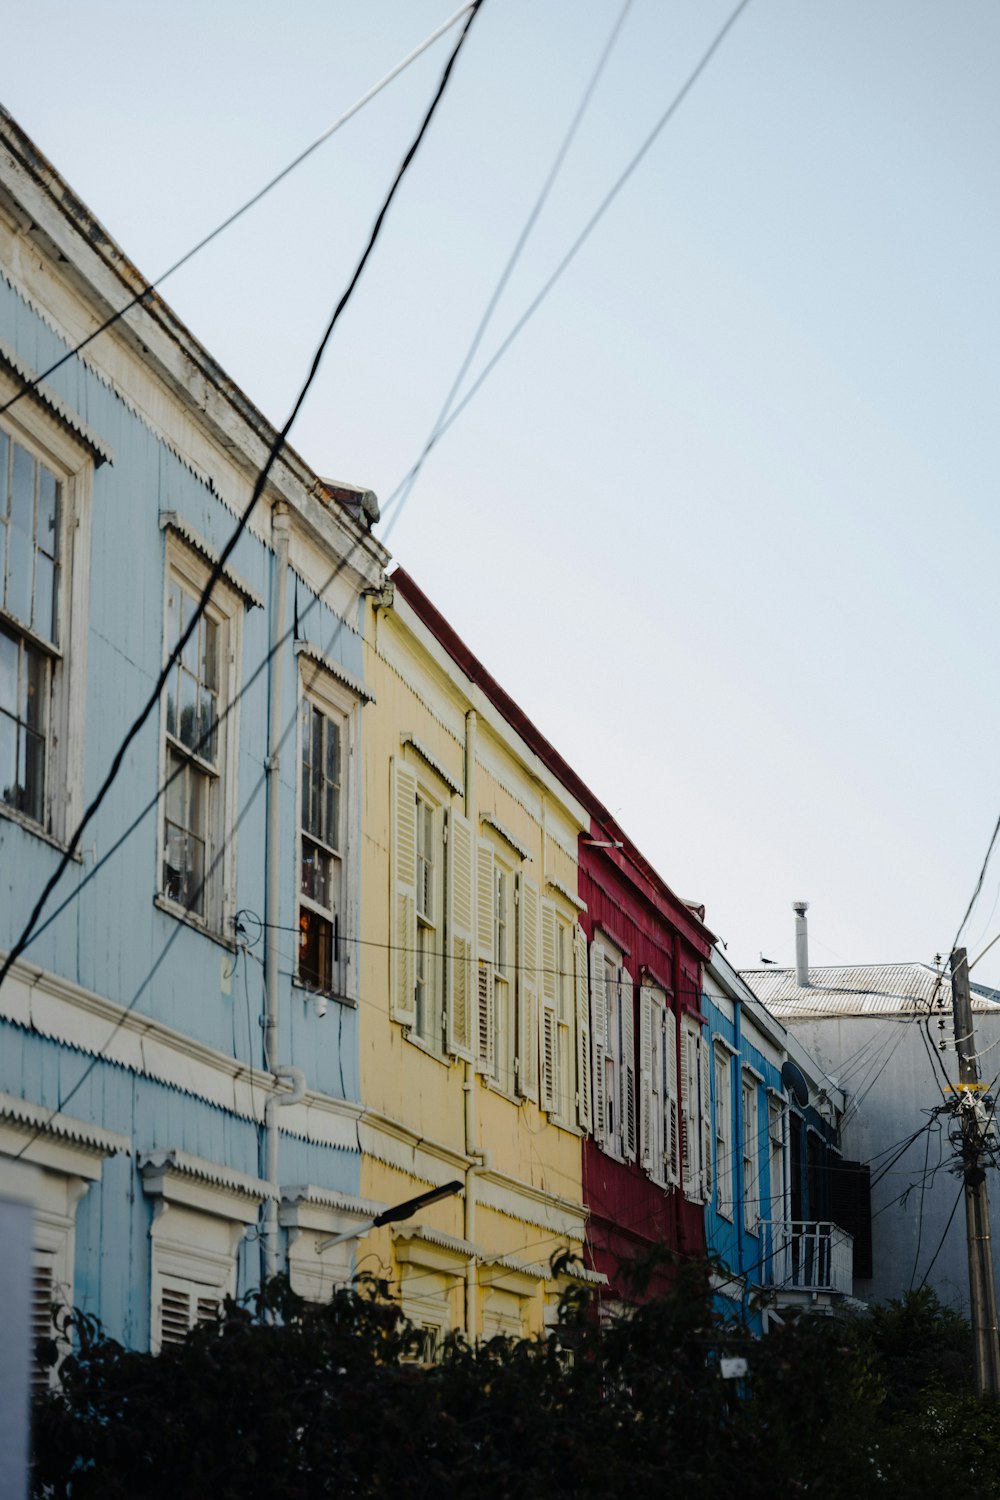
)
(403, 855)
(599, 1036)
(461, 954)
(583, 1084)
(550, 996)
(627, 1075)
(672, 1121)
(529, 917)
(43, 1291)
(647, 1015)
(184, 1304)
(485, 939)
(706, 1121)
(689, 1114)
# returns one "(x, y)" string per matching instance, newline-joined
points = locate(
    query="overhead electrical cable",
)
(219, 565)
(297, 161)
(574, 249)
(979, 883)
(522, 239)
(395, 498)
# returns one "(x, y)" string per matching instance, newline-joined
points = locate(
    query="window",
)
(44, 516)
(564, 1034)
(724, 1130)
(751, 1169)
(433, 952)
(183, 1305)
(696, 1114)
(199, 740)
(659, 1126)
(776, 1156)
(327, 722)
(504, 984)
(430, 944)
(614, 1052)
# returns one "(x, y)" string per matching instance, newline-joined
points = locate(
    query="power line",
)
(219, 565)
(297, 161)
(515, 254)
(396, 497)
(979, 883)
(576, 246)
(944, 1236)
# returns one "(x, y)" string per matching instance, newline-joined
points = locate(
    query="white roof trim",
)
(521, 850)
(581, 1273)
(56, 406)
(438, 1237)
(524, 1267)
(328, 1198)
(429, 759)
(157, 1166)
(343, 676)
(35, 1118)
(552, 884)
(171, 521)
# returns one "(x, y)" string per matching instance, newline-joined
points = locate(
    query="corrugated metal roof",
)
(860, 990)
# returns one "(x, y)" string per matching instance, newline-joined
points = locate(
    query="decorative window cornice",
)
(340, 673)
(521, 850)
(171, 521)
(430, 759)
(99, 450)
(552, 884)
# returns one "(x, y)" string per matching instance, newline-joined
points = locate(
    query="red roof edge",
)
(683, 913)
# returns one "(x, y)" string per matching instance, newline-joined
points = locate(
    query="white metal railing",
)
(807, 1257)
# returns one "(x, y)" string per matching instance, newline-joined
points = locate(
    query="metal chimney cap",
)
(800, 908)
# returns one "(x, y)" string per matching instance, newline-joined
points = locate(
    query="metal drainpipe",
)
(469, 1087)
(272, 897)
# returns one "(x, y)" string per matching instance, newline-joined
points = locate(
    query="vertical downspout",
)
(272, 896)
(470, 1072)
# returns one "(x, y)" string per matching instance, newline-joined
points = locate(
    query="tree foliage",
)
(294, 1400)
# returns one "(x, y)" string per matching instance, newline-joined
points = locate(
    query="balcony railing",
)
(806, 1257)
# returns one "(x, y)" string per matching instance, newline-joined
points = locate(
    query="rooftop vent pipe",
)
(801, 942)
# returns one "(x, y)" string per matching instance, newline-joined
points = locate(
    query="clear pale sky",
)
(724, 520)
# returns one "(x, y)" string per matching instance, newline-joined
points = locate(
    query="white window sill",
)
(309, 994)
(444, 1058)
(173, 910)
(30, 826)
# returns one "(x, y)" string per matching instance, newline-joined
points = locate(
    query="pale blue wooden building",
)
(178, 1044)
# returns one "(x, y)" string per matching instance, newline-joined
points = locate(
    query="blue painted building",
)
(178, 1044)
(775, 1125)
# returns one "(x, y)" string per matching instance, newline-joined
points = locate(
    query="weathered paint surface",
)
(161, 1082)
(630, 1214)
(525, 1168)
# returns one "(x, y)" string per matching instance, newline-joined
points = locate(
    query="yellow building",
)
(475, 1046)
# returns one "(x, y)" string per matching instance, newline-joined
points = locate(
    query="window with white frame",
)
(326, 731)
(776, 1156)
(504, 1048)
(44, 541)
(723, 1130)
(434, 926)
(564, 1035)
(613, 1039)
(696, 1113)
(199, 744)
(659, 1123)
(751, 1148)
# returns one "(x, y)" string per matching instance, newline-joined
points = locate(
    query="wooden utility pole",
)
(982, 1287)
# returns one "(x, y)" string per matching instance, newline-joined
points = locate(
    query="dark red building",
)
(645, 1170)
